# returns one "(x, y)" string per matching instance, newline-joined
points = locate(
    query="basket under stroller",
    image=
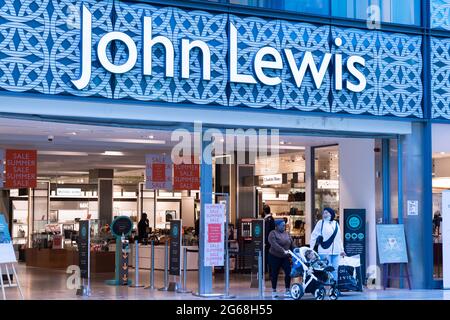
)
(311, 276)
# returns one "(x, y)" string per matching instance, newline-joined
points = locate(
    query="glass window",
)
(391, 11)
(319, 7)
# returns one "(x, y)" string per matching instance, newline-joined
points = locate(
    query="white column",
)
(308, 194)
(357, 186)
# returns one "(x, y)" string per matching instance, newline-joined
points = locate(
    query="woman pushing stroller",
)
(327, 234)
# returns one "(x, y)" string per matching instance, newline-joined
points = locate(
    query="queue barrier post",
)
(166, 267)
(136, 266)
(152, 267)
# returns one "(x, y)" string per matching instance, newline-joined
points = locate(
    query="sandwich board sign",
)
(7, 254)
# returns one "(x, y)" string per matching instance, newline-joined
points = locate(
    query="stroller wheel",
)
(334, 294)
(320, 293)
(297, 291)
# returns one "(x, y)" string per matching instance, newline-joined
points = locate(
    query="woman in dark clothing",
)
(143, 226)
(280, 242)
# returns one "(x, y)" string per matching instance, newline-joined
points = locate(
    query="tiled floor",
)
(47, 284)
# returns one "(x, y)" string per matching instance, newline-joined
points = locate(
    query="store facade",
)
(170, 64)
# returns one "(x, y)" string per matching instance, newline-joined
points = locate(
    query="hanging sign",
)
(2, 167)
(272, 179)
(7, 254)
(186, 177)
(215, 233)
(175, 248)
(158, 172)
(21, 169)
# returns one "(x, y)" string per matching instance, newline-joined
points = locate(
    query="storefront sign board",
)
(214, 236)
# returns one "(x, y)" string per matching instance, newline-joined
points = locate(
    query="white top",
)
(328, 229)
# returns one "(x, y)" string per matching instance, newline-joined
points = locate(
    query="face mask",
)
(327, 218)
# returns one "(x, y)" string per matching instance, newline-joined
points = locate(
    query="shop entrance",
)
(93, 172)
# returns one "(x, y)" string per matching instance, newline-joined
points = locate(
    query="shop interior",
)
(73, 158)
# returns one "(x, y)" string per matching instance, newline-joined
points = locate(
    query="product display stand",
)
(386, 274)
(10, 282)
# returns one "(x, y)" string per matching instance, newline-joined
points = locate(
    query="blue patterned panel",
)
(253, 34)
(174, 24)
(440, 14)
(39, 46)
(393, 72)
(440, 78)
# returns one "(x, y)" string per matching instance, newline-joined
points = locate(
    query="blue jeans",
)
(333, 260)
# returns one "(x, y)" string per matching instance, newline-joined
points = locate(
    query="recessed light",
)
(281, 142)
(442, 153)
(112, 153)
(151, 137)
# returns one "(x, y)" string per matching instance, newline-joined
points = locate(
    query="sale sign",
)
(21, 169)
(158, 172)
(186, 177)
(215, 235)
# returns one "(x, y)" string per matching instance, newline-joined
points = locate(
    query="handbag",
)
(349, 274)
(325, 244)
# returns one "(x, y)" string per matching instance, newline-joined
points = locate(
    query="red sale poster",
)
(186, 177)
(21, 169)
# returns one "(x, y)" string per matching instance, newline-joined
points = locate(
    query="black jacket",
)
(142, 229)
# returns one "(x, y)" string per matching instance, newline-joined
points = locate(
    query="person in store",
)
(327, 236)
(143, 227)
(269, 225)
(280, 242)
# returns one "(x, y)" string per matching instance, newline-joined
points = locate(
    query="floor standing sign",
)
(214, 237)
(84, 253)
(7, 258)
(175, 254)
(257, 247)
(446, 238)
(355, 238)
(121, 228)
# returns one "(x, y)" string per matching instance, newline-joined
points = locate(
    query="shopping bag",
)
(349, 274)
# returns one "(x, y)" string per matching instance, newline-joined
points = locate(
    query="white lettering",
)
(234, 75)
(147, 45)
(186, 47)
(103, 56)
(260, 64)
(308, 61)
(356, 73)
(86, 53)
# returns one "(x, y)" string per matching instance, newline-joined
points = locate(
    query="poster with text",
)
(21, 169)
(186, 177)
(158, 172)
(391, 243)
(7, 254)
(214, 237)
(2, 167)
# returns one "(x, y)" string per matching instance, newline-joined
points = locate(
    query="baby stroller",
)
(311, 276)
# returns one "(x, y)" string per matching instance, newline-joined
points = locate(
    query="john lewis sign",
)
(266, 58)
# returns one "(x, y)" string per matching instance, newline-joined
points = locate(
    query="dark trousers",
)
(275, 265)
(266, 260)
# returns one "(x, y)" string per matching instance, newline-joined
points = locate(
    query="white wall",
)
(357, 185)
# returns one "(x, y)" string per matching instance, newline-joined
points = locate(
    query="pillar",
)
(104, 179)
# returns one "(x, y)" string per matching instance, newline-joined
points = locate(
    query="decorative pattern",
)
(39, 46)
(40, 52)
(175, 24)
(440, 14)
(253, 34)
(393, 72)
(440, 78)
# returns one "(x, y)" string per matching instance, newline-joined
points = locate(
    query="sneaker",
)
(274, 294)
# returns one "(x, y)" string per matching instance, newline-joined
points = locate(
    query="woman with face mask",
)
(280, 242)
(327, 234)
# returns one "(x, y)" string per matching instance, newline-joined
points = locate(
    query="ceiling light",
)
(112, 153)
(281, 142)
(150, 137)
(61, 153)
(442, 153)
